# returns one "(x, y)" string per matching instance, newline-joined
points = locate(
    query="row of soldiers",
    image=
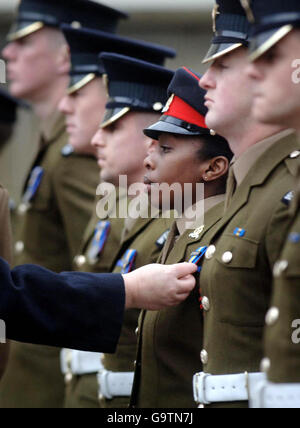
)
(232, 342)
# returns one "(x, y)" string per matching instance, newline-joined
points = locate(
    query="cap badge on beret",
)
(168, 105)
(247, 6)
(215, 13)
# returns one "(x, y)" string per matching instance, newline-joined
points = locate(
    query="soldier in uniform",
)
(182, 151)
(137, 94)
(57, 203)
(84, 107)
(274, 48)
(236, 277)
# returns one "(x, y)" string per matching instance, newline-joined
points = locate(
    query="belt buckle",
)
(199, 388)
(104, 385)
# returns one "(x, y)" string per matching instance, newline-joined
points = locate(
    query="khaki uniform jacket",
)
(237, 273)
(143, 237)
(49, 234)
(5, 253)
(282, 333)
(170, 340)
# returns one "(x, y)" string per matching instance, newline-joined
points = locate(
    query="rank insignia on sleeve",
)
(239, 232)
(197, 233)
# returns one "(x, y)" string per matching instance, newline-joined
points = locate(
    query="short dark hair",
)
(214, 146)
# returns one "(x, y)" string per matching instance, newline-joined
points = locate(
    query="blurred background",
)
(182, 24)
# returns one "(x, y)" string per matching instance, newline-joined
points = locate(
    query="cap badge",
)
(168, 105)
(248, 10)
(215, 13)
(196, 234)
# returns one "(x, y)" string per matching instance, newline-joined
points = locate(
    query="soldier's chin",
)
(20, 91)
(264, 114)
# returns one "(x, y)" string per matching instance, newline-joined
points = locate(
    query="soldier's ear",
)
(216, 168)
(64, 59)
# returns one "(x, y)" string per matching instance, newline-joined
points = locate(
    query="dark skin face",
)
(175, 159)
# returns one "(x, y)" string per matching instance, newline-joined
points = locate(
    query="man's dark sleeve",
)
(71, 310)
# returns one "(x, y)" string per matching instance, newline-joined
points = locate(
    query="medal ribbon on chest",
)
(33, 184)
(100, 237)
(127, 263)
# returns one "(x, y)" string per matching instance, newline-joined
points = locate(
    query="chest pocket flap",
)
(237, 252)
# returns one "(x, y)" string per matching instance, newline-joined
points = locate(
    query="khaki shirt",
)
(237, 273)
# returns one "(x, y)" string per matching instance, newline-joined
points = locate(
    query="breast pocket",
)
(238, 284)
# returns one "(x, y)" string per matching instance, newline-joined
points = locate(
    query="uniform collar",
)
(243, 164)
(208, 203)
(52, 127)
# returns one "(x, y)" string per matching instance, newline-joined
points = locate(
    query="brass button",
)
(80, 261)
(272, 316)
(206, 303)
(210, 252)
(265, 365)
(68, 377)
(280, 267)
(158, 106)
(137, 330)
(19, 247)
(204, 357)
(227, 257)
(23, 208)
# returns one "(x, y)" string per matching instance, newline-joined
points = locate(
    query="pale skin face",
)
(83, 111)
(276, 92)
(174, 159)
(229, 92)
(35, 62)
(122, 147)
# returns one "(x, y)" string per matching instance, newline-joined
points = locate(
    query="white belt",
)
(228, 388)
(115, 384)
(80, 363)
(276, 396)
